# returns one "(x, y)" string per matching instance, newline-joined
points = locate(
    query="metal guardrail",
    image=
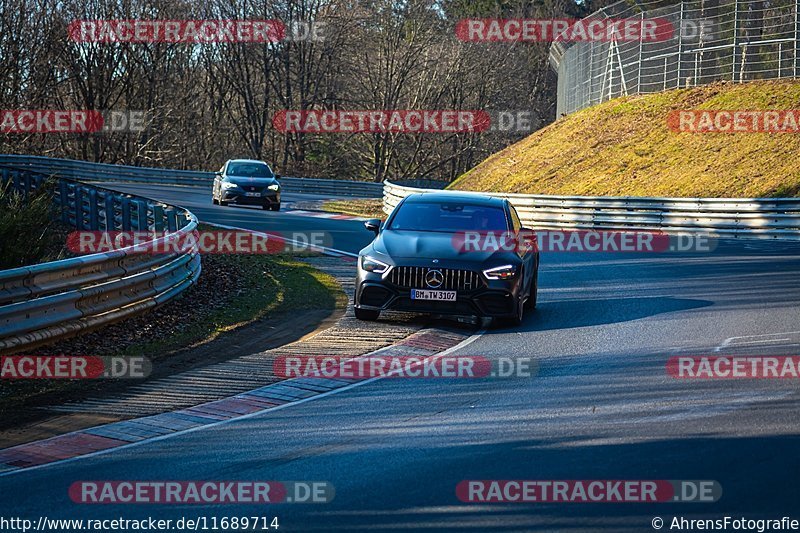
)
(45, 302)
(86, 171)
(728, 217)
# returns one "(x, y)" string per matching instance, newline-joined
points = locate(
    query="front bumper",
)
(490, 298)
(241, 198)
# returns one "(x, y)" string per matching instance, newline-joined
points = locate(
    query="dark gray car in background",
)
(247, 182)
(418, 261)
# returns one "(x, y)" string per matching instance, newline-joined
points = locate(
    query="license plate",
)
(252, 194)
(425, 294)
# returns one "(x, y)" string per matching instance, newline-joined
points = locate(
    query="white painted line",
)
(469, 340)
(727, 342)
(762, 341)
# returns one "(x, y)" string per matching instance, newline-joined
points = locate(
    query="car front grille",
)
(452, 279)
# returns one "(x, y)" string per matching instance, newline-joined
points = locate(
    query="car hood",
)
(258, 182)
(429, 245)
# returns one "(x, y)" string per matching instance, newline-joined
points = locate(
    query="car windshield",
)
(250, 170)
(448, 217)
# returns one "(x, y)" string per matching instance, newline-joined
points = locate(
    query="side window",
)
(516, 225)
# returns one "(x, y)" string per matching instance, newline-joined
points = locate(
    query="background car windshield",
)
(250, 170)
(448, 217)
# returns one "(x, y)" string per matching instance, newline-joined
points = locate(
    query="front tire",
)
(530, 304)
(367, 315)
(276, 207)
(516, 320)
(512, 321)
(223, 203)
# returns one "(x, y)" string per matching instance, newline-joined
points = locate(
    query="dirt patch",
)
(363, 207)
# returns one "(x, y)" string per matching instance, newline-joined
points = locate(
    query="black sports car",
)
(449, 253)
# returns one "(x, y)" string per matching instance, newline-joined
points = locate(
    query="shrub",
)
(29, 233)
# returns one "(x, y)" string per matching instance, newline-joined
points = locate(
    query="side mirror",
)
(527, 237)
(277, 176)
(218, 173)
(373, 224)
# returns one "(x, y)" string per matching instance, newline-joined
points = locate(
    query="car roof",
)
(472, 198)
(247, 161)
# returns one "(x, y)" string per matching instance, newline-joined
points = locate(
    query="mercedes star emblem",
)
(434, 278)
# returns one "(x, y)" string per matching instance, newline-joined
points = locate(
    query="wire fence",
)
(713, 40)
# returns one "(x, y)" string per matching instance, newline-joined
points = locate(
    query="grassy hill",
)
(624, 148)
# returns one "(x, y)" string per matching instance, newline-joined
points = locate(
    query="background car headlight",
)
(373, 265)
(274, 187)
(501, 272)
(228, 185)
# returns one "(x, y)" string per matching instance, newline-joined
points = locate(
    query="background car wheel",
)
(367, 314)
(223, 204)
(276, 207)
(214, 200)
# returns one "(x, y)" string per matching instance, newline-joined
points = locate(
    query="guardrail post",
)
(141, 215)
(158, 217)
(62, 200)
(93, 212)
(79, 207)
(172, 220)
(111, 217)
(126, 213)
(735, 38)
(680, 47)
(796, 62)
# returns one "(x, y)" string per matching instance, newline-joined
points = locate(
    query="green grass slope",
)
(625, 148)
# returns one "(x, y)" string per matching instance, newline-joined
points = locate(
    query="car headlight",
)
(228, 185)
(370, 264)
(274, 187)
(501, 272)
